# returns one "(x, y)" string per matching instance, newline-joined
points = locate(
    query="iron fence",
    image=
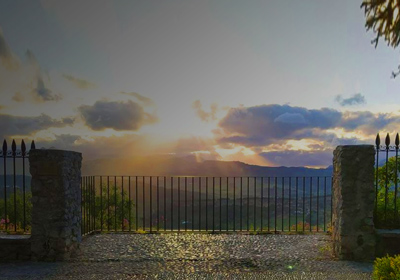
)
(386, 214)
(210, 204)
(15, 194)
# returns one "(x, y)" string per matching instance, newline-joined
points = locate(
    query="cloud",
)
(116, 115)
(16, 125)
(79, 83)
(7, 58)
(18, 97)
(203, 115)
(356, 99)
(264, 125)
(145, 100)
(42, 94)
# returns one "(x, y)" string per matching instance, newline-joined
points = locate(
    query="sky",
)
(273, 83)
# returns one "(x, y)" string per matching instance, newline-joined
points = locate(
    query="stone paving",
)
(196, 256)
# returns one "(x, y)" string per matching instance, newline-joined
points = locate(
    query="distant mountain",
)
(189, 166)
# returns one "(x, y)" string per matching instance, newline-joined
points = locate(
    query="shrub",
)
(387, 268)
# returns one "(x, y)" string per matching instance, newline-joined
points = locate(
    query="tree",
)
(383, 17)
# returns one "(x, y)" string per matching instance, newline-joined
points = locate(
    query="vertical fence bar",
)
(165, 203)
(325, 203)
(317, 203)
(276, 201)
(23, 149)
(304, 201)
(136, 204)
(262, 203)
(186, 221)
(122, 205)
(387, 142)
(255, 202)
(192, 203)
(115, 203)
(179, 203)
(5, 183)
(101, 203)
(172, 203)
(151, 204)
(14, 148)
(248, 203)
(234, 203)
(227, 204)
(220, 204)
(158, 204)
(213, 204)
(283, 202)
(297, 199)
(241, 202)
(310, 203)
(144, 202)
(130, 204)
(206, 203)
(108, 203)
(200, 193)
(290, 199)
(269, 202)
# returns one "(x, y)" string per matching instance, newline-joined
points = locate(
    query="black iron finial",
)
(387, 140)
(377, 140)
(33, 145)
(397, 141)
(13, 147)
(23, 147)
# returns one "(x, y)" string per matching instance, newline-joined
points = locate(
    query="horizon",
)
(266, 84)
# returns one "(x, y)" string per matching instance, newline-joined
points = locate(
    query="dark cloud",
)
(203, 115)
(116, 115)
(263, 125)
(145, 100)
(299, 158)
(15, 125)
(79, 83)
(7, 58)
(356, 99)
(42, 93)
(272, 124)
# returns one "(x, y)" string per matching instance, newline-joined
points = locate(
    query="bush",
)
(387, 268)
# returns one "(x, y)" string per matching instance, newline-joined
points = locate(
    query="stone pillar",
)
(353, 202)
(56, 204)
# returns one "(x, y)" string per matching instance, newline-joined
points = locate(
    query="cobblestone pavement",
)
(196, 256)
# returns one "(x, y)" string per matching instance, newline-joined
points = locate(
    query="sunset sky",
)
(263, 82)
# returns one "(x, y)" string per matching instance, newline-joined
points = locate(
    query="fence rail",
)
(15, 204)
(223, 204)
(386, 214)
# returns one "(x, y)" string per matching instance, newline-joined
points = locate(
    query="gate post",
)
(56, 204)
(353, 202)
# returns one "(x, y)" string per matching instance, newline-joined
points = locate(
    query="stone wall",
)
(353, 202)
(56, 204)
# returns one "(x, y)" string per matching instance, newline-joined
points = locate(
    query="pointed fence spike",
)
(33, 147)
(397, 141)
(377, 140)
(23, 147)
(4, 147)
(13, 146)
(387, 140)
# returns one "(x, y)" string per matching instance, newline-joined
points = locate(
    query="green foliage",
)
(16, 214)
(383, 17)
(387, 268)
(110, 210)
(388, 216)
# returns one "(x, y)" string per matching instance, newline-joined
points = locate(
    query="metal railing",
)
(15, 194)
(209, 204)
(386, 214)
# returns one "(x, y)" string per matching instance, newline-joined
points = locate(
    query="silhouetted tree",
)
(383, 17)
